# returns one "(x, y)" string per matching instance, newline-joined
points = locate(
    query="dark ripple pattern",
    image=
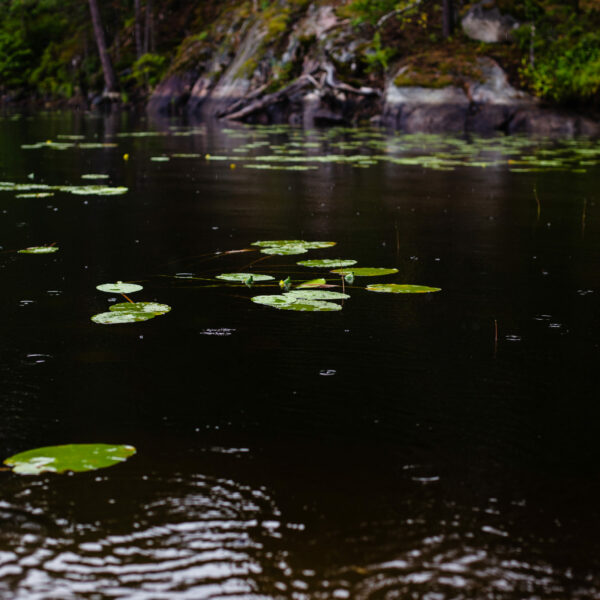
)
(209, 543)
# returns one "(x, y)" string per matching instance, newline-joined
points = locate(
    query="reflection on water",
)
(427, 448)
(211, 542)
(225, 540)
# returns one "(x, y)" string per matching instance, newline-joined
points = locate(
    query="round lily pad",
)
(119, 288)
(70, 457)
(145, 307)
(39, 250)
(94, 176)
(274, 300)
(327, 263)
(119, 317)
(316, 295)
(285, 250)
(307, 245)
(290, 303)
(312, 306)
(396, 288)
(241, 277)
(365, 271)
(93, 190)
(312, 283)
(34, 195)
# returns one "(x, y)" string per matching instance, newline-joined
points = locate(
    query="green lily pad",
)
(145, 307)
(39, 250)
(365, 271)
(119, 288)
(93, 190)
(285, 250)
(94, 176)
(305, 244)
(291, 303)
(316, 295)
(242, 277)
(397, 288)
(119, 317)
(160, 158)
(70, 457)
(327, 263)
(312, 283)
(34, 195)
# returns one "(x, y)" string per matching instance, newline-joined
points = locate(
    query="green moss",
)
(248, 68)
(439, 69)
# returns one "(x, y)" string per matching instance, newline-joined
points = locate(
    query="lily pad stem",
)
(127, 298)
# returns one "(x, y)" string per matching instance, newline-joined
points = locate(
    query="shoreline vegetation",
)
(413, 65)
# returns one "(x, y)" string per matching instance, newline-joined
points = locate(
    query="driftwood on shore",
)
(255, 103)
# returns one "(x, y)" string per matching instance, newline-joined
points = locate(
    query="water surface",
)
(396, 449)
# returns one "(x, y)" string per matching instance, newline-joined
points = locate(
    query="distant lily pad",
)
(119, 288)
(316, 295)
(396, 288)
(145, 307)
(327, 263)
(160, 158)
(34, 195)
(285, 250)
(242, 277)
(93, 190)
(119, 317)
(70, 457)
(39, 250)
(94, 176)
(366, 271)
(290, 303)
(305, 244)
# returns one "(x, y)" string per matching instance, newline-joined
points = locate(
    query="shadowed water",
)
(401, 448)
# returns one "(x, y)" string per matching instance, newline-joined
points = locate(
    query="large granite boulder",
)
(484, 22)
(414, 109)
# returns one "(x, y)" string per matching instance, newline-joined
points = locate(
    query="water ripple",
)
(208, 543)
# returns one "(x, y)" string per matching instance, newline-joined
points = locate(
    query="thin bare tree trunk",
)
(447, 18)
(138, 27)
(149, 45)
(110, 80)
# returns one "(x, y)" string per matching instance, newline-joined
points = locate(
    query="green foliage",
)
(148, 69)
(368, 11)
(15, 59)
(376, 56)
(566, 59)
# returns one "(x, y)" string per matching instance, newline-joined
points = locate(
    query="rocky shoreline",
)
(233, 83)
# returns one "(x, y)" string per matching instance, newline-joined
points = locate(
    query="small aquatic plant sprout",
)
(75, 458)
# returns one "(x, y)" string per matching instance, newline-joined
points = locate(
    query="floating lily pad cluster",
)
(287, 247)
(310, 295)
(43, 190)
(364, 148)
(128, 312)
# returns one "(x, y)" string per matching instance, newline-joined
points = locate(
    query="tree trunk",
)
(138, 28)
(447, 18)
(110, 80)
(149, 45)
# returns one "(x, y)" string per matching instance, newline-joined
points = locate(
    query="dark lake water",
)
(396, 449)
